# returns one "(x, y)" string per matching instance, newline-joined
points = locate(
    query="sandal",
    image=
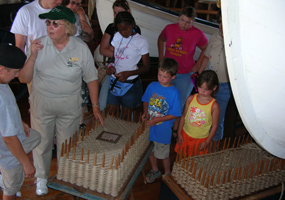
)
(152, 175)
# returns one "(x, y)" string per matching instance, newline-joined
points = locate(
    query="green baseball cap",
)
(59, 12)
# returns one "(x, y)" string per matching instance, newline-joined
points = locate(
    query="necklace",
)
(123, 49)
(116, 55)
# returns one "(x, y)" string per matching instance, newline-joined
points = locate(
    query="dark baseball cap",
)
(11, 56)
(59, 12)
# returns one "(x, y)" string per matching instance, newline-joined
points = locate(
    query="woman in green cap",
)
(57, 64)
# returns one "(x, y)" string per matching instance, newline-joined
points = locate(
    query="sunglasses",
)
(55, 23)
(73, 3)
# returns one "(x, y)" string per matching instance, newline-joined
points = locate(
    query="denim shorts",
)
(132, 99)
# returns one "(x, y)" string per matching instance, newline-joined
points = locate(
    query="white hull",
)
(254, 42)
(151, 21)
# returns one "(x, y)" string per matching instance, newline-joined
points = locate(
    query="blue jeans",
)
(222, 98)
(103, 95)
(184, 84)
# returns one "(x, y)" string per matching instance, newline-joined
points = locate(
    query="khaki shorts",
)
(12, 180)
(161, 151)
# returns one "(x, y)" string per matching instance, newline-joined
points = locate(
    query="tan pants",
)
(49, 116)
(13, 178)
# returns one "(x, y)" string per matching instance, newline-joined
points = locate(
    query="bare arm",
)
(215, 121)
(26, 129)
(155, 120)
(20, 41)
(17, 150)
(144, 115)
(182, 120)
(123, 76)
(203, 64)
(160, 44)
(26, 74)
(105, 49)
(93, 93)
(197, 65)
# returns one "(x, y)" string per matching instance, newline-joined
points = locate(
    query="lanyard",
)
(123, 49)
(119, 56)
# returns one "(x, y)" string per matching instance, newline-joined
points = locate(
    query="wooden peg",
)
(75, 141)
(218, 145)
(194, 171)
(193, 152)
(266, 166)
(62, 149)
(261, 167)
(229, 176)
(238, 141)
(236, 172)
(203, 179)
(242, 142)
(111, 166)
(246, 171)
(219, 178)
(207, 182)
(229, 143)
(116, 164)
(95, 159)
(67, 153)
(251, 171)
(225, 142)
(212, 179)
(65, 147)
(69, 144)
(103, 161)
(247, 138)
(234, 143)
(74, 154)
(88, 152)
(225, 177)
(81, 157)
(200, 172)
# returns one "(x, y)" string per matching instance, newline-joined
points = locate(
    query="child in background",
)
(129, 48)
(16, 138)
(161, 101)
(200, 117)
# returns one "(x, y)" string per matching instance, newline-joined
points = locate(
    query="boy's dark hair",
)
(121, 3)
(209, 77)
(188, 12)
(168, 65)
(125, 17)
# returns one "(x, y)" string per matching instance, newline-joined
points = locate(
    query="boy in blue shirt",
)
(16, 139)
(161, 102)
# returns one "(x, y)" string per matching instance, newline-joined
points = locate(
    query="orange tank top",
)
(198, 119)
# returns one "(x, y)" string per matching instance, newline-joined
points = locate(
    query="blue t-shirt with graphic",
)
(162, 101)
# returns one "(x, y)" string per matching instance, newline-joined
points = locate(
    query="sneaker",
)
(41, 186)
(18, 194)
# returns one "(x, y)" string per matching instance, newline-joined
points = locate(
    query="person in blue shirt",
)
(162, 105)
(16, 138)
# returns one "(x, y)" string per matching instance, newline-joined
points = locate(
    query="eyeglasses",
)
(73, 3)
(55, 23)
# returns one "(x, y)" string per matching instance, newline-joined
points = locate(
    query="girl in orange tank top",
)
(199, 120)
